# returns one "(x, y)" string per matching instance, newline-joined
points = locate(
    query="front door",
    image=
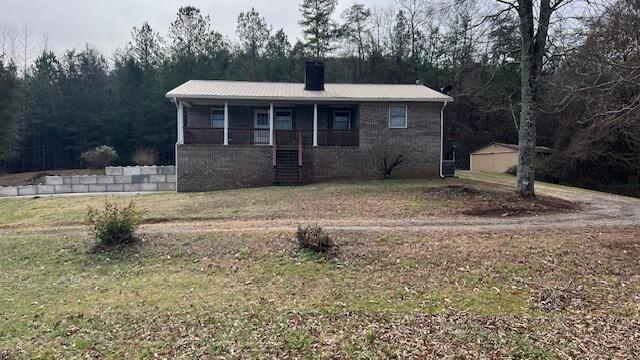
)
(284, 120)
(261, 126)
(284, 128)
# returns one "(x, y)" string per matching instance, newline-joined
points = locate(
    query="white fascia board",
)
(311, 100)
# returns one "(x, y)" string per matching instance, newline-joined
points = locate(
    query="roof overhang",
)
(516, 148)
(295, 92)
(303, 100)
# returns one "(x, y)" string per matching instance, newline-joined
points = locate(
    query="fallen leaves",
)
(437, 294)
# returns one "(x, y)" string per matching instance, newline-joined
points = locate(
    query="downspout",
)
(444, 105)
(175, 166)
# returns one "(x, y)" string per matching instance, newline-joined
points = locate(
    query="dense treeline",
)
(63, 104)
(592, 104)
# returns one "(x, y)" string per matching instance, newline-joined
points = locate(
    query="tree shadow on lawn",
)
(491, 203)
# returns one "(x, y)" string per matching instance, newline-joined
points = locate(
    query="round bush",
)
(145, 157)
(99, 157)
(115, 225)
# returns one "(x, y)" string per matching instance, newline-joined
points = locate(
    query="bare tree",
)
(534, 41)
(8, 42)
(382, 19)
(25, 47)
(594, 98)
(418, 13)
(534, 21)
(46, 42)
(356, 30)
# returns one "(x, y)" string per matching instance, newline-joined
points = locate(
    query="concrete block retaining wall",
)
(116, 179)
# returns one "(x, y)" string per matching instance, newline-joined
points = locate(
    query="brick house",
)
(235, 134)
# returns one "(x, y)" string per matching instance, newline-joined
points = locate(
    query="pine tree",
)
(196, 51)
(400, 41)
(10, 112)
(146, 46)
(505, 40)
(253, 32)
(400, 46)
(318, 28)
(278, 46)
(191, 34)
(42, 97)
(357, 31)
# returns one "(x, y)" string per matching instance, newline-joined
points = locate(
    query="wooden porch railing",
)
(273, 152)
(286, 137)
(203, 135)
(250, 136)
(332, 137)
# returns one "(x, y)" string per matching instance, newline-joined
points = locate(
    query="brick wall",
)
(214, 167)
(419, 143)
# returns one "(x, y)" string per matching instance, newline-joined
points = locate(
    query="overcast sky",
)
(106, 24)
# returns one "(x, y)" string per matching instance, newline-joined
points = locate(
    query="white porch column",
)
(271, 124)
(180, 123)
(226, 123)
(315, 124)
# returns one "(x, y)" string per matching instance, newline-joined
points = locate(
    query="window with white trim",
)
(398, 116)
(261, 119)
(217, 118)
(341, 120)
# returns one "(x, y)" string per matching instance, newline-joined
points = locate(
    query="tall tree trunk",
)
(532, 55)
(526, 135)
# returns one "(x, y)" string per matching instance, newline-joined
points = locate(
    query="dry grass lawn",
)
(348, 202)
(385, 294)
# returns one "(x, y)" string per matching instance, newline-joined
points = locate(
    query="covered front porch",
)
(280, 124)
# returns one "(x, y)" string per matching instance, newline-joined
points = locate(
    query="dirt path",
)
(597, 210)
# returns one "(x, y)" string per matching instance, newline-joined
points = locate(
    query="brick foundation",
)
(217, 167)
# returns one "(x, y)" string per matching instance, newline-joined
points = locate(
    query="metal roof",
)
(540, 149)
(245, 90)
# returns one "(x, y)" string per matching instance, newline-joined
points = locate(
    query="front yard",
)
(444, 292)
(341, 201)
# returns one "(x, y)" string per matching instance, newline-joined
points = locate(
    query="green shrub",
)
(99, 157)
(145, 157)
(314, 238)
(114, 225)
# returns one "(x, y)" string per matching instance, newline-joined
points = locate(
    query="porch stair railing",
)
(287, 157)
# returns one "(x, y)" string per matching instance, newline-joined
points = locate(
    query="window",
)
(342, 120)
(397, 116)
(284, 120)
(262, 119)
(217, 117)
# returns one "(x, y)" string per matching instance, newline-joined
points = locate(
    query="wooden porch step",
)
(287, 169)
(287, 175)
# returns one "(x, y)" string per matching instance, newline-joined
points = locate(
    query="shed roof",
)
(246, 90)
(539, 149)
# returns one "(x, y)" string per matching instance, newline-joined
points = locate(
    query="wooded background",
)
(55, 106)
